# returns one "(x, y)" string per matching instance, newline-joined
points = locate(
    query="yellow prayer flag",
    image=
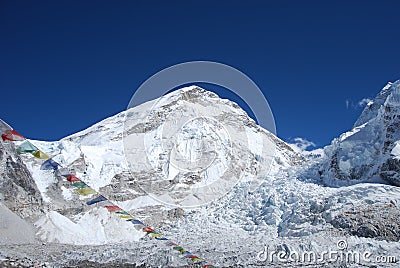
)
(39, 154)
(195, 260)
(156, 235)
(126, 217)
(86, 191)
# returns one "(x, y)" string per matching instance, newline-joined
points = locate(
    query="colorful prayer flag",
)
(50, 164)
(79, 184)
(12, 135)
(73, 178)
(197, 260)
(122, 212)
(135, 221)
(85, 191)
(26, 147)
(126, 217)
(98, 199)
(113, 208)
(148, 230)
(39, 154)
(192, 256)
(156, 235)
(178, 248)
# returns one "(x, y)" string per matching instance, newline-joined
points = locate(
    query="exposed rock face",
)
(390, 171)
(18, 189)
(380, 221)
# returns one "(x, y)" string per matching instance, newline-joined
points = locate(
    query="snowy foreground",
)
(277, 206)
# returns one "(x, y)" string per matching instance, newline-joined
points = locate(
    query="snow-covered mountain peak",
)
(363, 153)
(191, 91)
(110, 128)
(196, 146)
(190, 94)
(381, 100)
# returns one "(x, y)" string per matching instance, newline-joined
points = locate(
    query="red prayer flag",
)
(148, 230)
(192, 256)
(12, 135)
(113, 208)
(73, 178)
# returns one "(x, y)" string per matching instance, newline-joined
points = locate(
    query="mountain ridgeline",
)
(367, 152)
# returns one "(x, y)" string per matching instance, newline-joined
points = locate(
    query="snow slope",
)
(13, 229)
(216, 138)
(396, 150)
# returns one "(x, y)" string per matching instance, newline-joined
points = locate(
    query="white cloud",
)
(364, 102)
(357, 105)
(303, 144)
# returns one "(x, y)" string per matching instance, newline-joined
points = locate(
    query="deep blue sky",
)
(65, 65)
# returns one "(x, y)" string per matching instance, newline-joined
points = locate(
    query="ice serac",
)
(367, 153)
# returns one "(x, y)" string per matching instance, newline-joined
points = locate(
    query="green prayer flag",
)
(79, 184)
(26, 147)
